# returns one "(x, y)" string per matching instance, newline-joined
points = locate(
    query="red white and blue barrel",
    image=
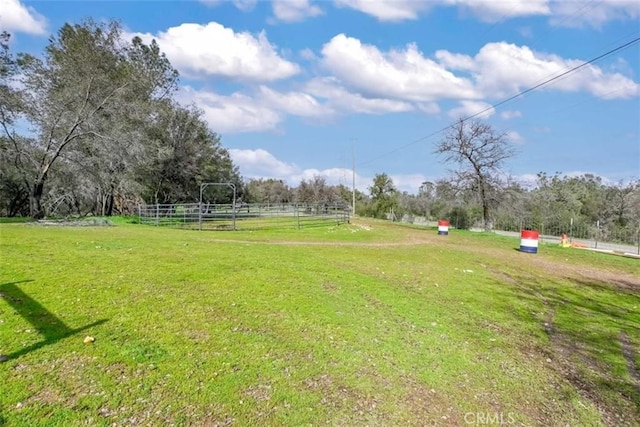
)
(443, 228)
(529, 241)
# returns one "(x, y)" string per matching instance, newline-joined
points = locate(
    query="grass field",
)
(368, 323)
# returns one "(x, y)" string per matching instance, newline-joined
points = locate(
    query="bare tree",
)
(479, 151)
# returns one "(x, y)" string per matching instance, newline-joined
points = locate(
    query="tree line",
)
(553, 198)
(92, 127)
(478, 193)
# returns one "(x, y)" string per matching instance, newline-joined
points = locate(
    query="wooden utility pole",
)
(353, 178)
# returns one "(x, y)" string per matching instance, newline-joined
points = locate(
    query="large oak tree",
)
(479, 152)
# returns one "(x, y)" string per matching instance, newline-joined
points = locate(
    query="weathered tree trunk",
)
(485, 203)
(35, 200)
(109, 207)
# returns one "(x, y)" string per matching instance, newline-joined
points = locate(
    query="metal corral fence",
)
(244, 216)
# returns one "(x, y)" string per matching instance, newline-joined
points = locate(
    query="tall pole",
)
(202, 186)
(353, 178)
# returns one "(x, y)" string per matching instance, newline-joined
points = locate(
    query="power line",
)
(511, 98)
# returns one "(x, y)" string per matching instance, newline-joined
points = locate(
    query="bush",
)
(459, 218)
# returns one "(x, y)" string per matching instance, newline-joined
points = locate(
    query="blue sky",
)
(295, 88)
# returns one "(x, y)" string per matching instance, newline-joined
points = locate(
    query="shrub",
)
(459, 218)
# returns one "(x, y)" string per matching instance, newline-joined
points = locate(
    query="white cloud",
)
(594, 14)
(294, 10)
(468, 108)
(308, 54)
(456, 61)
(401, 74)
(485, 10)
(503, 69)
(260, 163)
(367, 81)
(514, 137)
(263, 110)
(296, 103)
(496, 11)
(527, 180)
(333, 176)
(214, 50)
(235, 113)
(428, 107)
(409, 183)
(243, 5)
(510, 114)
(387, 10)
(14, 16)
(561, 12)
(341, 99)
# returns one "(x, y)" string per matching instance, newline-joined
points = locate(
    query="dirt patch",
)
(502, 276)
(259, 392)
(629, 355)
(431, 407)
(589, 274)
(359, 408)
(92, 222)
(574, 362)
(329, 287)
(556, 268)
(313, 243)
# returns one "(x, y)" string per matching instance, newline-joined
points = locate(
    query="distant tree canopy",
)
(91, 127)
(552, 202)
(384, 197)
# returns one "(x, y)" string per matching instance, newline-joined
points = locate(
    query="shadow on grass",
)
(592, 328)
(46, 323)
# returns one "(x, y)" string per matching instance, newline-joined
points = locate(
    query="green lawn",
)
(368, 323)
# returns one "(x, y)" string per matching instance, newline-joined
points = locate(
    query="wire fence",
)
(597, 235)
(580, 233)
(244, 216)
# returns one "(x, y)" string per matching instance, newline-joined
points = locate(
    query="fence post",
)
(233, 210)
(571, 230)
(157, 215)
(597, 232)
(298, 215)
